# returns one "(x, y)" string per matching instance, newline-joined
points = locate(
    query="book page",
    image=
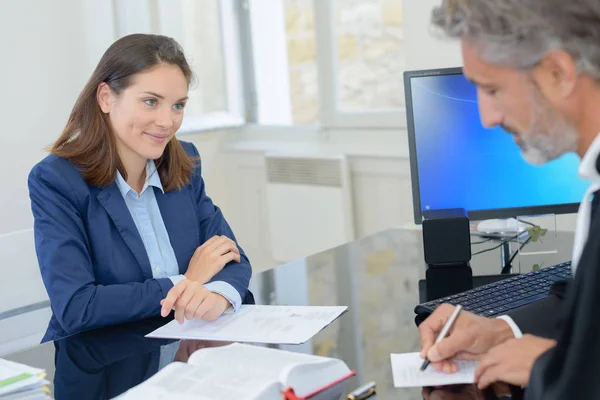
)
(180, 381)
(256, 324)
(405, 369)
(233, 372)
(304, 372)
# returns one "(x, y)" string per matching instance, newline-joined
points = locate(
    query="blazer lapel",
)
(179, 215)
(115, 206)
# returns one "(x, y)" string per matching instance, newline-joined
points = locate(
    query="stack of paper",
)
(20, 382)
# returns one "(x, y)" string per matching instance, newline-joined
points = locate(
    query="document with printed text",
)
(405, 369)
(256, 324)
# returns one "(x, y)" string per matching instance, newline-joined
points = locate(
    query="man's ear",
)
(556, 75)
(104, 96)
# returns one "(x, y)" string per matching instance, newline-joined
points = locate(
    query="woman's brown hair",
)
(88, 141)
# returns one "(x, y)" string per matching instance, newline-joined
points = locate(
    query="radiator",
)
(309, 204)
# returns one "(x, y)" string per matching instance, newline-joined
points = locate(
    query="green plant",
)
(536, 267)
(536, 233)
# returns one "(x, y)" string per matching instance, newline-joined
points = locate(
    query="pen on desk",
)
(443, 333)
(363, 392)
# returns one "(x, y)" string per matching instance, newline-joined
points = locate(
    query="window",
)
(360, 62)
(337, 63)
(345, 60)
(302, 60)
(208, 32)
(370, 58)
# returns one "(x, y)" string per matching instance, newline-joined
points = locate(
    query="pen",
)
(363, 392)
(443, 333)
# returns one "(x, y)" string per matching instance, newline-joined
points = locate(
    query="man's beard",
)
(550, 134)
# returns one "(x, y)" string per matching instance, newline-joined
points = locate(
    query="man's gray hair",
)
(518, 33)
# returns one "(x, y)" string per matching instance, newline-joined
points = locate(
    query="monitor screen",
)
(457, 163)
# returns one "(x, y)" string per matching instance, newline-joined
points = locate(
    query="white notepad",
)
(256, 324)
(405, 369)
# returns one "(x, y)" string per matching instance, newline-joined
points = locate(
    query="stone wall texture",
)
(370, 56)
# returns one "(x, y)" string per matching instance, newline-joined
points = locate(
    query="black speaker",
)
(447, 250)
(446, 237)
(448, 280)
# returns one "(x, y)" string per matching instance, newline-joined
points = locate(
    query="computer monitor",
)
(457, 163)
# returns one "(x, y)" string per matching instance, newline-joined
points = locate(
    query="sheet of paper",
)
(405, 371)
(15, 376)
(256, 324)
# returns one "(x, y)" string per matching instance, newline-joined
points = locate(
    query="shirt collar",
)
(588, 168)
(152, 179)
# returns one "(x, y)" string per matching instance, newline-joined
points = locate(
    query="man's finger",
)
(489, 376)
(450, 346)
(431, 327)
(169, 302)
(465, 355)
(450, 367)
(488, 361)
(446, 366)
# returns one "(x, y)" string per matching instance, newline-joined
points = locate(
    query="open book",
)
(240, 372)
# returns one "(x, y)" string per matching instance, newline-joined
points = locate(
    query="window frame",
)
(235, 99)
(330, 112)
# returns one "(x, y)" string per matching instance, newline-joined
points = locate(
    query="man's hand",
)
(191, 300)
(512, 361)
(211, 257)
(470, 337)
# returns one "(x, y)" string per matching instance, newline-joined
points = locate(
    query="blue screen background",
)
(462, 164)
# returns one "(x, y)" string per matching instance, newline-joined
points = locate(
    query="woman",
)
(123, 227)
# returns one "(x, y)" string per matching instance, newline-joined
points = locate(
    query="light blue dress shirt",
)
(151, 227)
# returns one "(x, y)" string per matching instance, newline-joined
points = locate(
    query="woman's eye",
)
(150, 102)
(179, 106)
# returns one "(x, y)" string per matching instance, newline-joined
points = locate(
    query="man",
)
(536, 64)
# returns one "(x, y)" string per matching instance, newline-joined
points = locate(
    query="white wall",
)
(379, 175)
(45, 62)
(46, 59)
(424, 48)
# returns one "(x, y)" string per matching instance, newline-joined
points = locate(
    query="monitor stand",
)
(501, 229)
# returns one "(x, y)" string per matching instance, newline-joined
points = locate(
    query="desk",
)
(376, 277)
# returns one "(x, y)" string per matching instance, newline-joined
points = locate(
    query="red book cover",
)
(289, 394)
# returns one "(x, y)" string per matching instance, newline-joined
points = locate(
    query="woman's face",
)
(146, 115)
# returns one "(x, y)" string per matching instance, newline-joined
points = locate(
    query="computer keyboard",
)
(500, 297)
